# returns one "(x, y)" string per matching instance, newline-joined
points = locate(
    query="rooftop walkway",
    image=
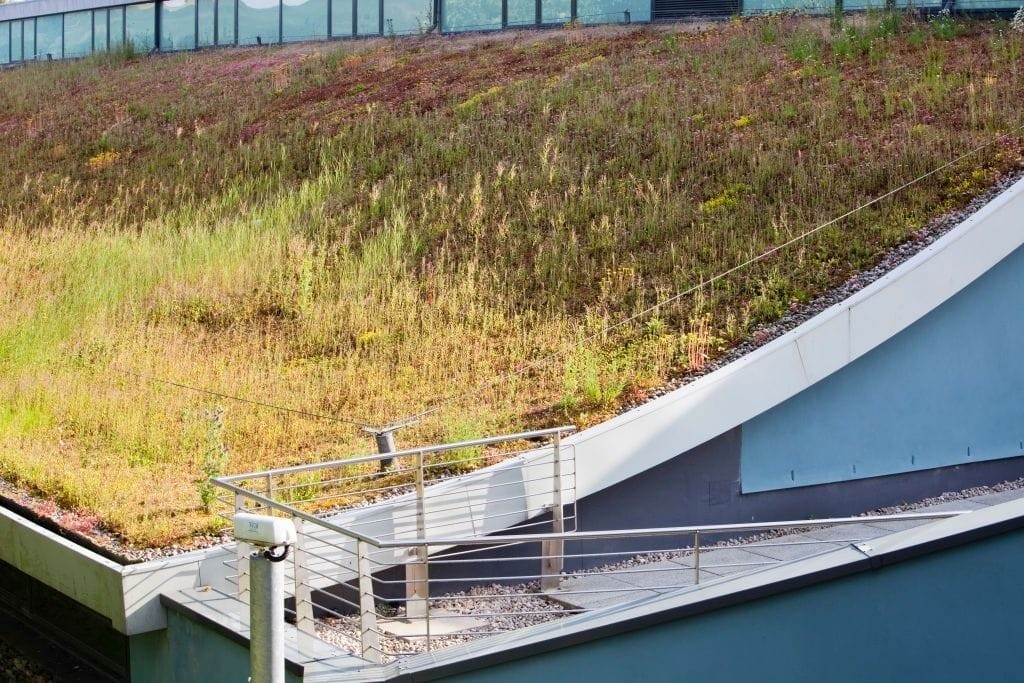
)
(640, 579)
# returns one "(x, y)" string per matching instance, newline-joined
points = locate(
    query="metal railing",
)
(344, 509)
(430, 560)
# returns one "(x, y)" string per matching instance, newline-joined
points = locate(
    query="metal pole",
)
(266, 616)
(416, 588)
(553, 550)
(242, 554)
(369, 638)
(304, 621)
(696, 557)
(425, 554)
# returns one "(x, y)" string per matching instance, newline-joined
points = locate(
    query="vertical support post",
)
(304, 621)
(242, 553)
(385, 444)
(425, 554)
(696, 557)
(553, 550)
(369, 638)
(266, 621)
(416, 589)
(270, 488)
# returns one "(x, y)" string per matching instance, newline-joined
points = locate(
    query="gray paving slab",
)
(999, 497)
(955, 505)
(787, 548)
(593, 591)
(732, 560)
(901, 525)
(845, 533)
(664, 574)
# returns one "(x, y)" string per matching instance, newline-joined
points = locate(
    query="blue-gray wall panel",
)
(945, 391)
(949, 616)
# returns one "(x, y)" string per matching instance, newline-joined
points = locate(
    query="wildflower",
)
(743, 121)
(103, 160)
(989, 81)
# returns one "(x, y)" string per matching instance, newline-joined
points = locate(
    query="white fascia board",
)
(711, 405)
(87, 577)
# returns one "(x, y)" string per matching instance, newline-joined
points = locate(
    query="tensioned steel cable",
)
(242, 399)
(441, 402)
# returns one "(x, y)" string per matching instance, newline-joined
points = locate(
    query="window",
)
(17, 54)
(341, 17)
(304, 19)
(522, 12)
(77, 34)
(178, 25)
(50, 37)
(116, 15)
(226, 22)
(140, 26)
(207, 11)
(555, 11)
(258, 21)
(474, 15)
(28, 31)
(368, 14)
(99, 31)
(5, 42)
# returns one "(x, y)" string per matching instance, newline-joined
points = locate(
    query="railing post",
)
(242, 553)
(304, 621)
(425, 554)
(416, 589)
(369, 638)
(553, 550)
(696, 557)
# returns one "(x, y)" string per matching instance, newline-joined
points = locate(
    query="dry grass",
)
(359, 229)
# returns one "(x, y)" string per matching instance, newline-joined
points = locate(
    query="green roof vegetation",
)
(360, 229)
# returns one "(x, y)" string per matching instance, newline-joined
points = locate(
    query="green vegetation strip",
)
(357, 229)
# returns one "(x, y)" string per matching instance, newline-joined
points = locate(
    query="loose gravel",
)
(501, 608)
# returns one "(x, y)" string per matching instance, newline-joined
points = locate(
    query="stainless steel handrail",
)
(344, 462)
(666, 531)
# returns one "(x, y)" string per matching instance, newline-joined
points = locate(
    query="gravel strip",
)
(504, 608)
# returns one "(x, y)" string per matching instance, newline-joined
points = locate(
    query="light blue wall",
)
(947, 390)
(190, 652)
(944, 617)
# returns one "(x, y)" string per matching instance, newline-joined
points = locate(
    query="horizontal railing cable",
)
(242, 399)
